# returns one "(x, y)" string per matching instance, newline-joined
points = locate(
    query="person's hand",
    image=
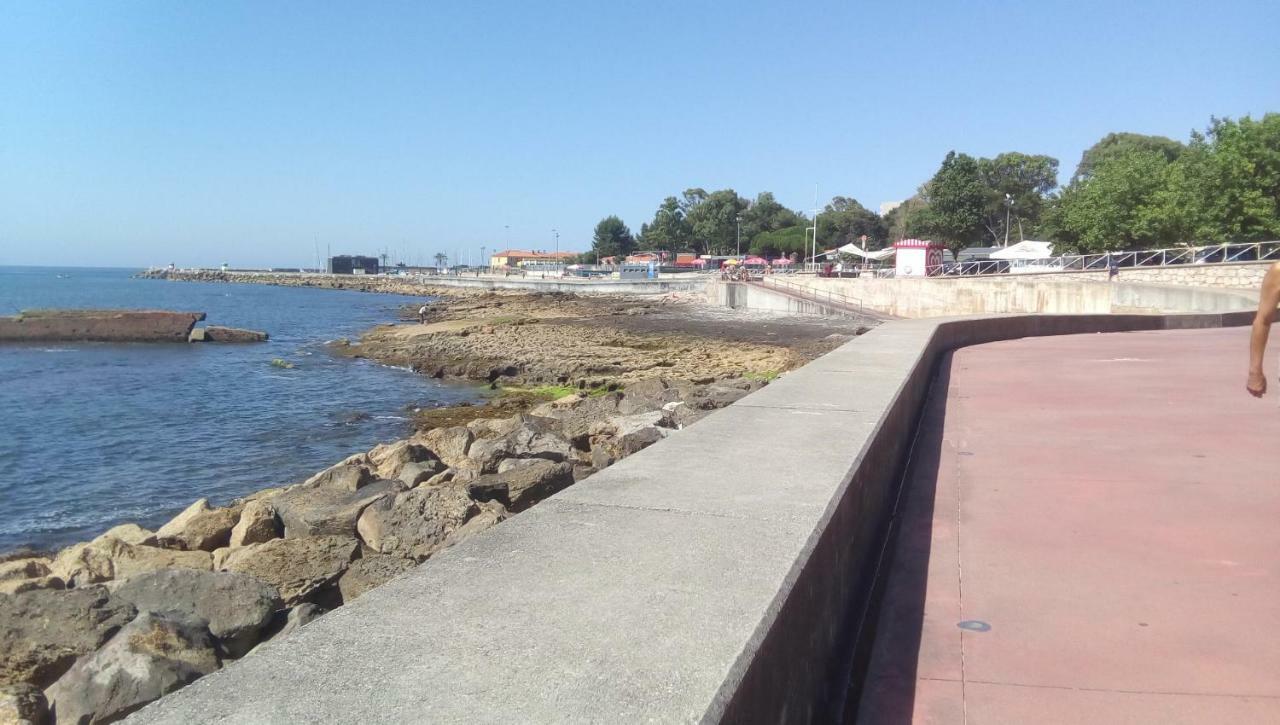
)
(1257, 384)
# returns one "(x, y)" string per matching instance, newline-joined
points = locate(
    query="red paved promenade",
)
(1107, 509)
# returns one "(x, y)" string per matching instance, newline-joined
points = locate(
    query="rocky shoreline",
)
(95, 631)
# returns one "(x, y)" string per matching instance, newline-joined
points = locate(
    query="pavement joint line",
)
(682, 512)
(964, 699)
(1170, 693)
(802, 407)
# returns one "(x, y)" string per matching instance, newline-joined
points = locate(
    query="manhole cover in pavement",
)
(974, 625)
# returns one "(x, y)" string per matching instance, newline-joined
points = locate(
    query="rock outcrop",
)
(149, 657)
(235, 607)
(43, 632)
(23, 705)
(200, 527)
(415, 524)
(300, 570)
(98, 326)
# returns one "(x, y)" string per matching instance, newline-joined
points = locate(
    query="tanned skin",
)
(1267, 304)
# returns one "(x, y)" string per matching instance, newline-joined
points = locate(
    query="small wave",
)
(389, 417)
(57, 349)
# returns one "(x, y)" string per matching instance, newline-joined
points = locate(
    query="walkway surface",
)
(1091, 533)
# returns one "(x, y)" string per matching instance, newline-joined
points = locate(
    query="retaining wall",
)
(579, 286)
(1232, 275)
(1053, 294)
(99, 326)
(718, 575)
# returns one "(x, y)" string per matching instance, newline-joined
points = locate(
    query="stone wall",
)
(1241, 275)
(99, 326)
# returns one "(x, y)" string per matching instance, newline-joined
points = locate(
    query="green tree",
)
(612, 238)
(845, 221)
(780, 242)
(766, 214)
(1233, 169)
(1116, 144)
(713, 220)
(957, 201)
(669, 229)
(1017, 185)
(1117, 206)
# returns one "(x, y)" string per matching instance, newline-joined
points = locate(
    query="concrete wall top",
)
(709, 577)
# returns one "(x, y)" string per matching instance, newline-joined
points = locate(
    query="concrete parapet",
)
(99, 326)
(579, 286)
(719, 575)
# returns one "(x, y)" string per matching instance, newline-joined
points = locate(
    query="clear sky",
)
(139, 133)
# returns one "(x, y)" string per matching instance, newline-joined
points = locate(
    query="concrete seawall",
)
(718, 575)
(1051, 294)
(99, 326)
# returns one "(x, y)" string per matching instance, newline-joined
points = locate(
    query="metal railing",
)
(828, 297)
(1212, 254)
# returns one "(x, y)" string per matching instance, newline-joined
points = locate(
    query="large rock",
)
(257, 524)
(218, 333)
(43, 632)
(534, 437)
(449, 444)
(131, 534)
(389, 459)
(151, 656)
(319, 511)
(106, 558)
(369, 572)
(415, 524)
(234, 606)
(199, 527)
(28, 568)
(23, 705)
(17, 586)
(523, 485)
(299, 569)
(412, 474)
(619, 437)
(351, 474)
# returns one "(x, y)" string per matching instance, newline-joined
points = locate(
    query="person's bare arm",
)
(1268, 301)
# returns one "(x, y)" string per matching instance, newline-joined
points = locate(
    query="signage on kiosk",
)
(918, 258)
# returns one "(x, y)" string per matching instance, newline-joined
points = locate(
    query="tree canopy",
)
(957, 202)
(612, 238)
(1118, 144)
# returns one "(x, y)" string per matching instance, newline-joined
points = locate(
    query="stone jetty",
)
(117, 326)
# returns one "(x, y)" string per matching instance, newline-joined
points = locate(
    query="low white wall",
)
(1057, 294)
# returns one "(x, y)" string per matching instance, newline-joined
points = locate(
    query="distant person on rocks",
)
(422, 315)
(1268, 301)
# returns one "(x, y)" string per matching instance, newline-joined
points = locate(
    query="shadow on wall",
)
(890, 696)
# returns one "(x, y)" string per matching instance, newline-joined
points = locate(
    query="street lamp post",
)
(484, 258)
(1008, 207)
(814, 258)
(557, 233)
(738, 219)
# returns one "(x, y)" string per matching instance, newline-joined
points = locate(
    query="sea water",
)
(97, 434)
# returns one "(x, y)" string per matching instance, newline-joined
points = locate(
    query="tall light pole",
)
(816, 212)
(483, 259)
(1008, 207)
(738, 219)
(557, 235)
(508, 228)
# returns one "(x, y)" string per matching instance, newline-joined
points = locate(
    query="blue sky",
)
(138, 133)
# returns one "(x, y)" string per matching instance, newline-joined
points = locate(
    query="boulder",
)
(491, 513)
(448, 444)
(218, 333)
(286, 621)
(534, 437)
(106, 558)
(131, 534)
(28, 568)
(43, 632)
(149, 657)
(619, 437)
(17, 586)
(316, 511)
(412, 474)
(415, 524)
(369, 572)
(350, 475)
(23, 705)
(257, 524)
(234, 606)
(496, 427)
(199, 527)
(389, 459)
(522, 486)
(299, 569)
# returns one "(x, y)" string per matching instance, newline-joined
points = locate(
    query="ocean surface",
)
(96, 434)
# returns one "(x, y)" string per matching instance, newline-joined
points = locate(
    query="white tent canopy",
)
(1025, 250)
(857, 251)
